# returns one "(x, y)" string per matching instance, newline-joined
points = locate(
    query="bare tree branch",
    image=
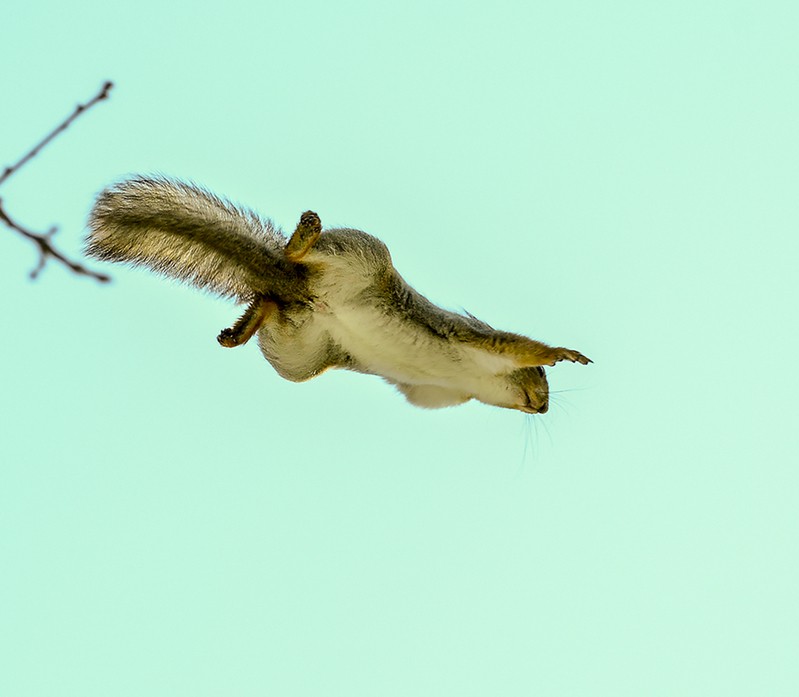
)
(43, 241)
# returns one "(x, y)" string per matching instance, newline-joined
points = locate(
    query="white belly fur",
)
(404, 353)
(386, 347)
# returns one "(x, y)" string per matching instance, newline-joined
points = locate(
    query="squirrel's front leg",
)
(529, 353)
(541, 354)
(563, 354)
(249, 323)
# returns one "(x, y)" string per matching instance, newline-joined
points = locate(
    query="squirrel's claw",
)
(564, 354)
(249, 323)
(305, 235)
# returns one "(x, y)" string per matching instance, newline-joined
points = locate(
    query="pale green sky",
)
(618, 177)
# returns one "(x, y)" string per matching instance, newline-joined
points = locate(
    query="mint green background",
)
(617, 177)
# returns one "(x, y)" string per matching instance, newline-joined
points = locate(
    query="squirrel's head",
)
(527, 390)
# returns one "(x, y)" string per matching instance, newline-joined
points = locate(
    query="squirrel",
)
(321, 299)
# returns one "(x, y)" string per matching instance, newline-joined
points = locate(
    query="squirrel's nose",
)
(544, 408)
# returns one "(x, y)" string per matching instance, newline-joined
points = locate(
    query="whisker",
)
(546, 429)
(562, 402)
(559, 403)
(562, 408)
(527, 445)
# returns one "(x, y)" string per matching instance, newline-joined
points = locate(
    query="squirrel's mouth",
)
(529, 408)
(543, 409)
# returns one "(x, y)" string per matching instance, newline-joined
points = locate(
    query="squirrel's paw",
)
(564, 354)
(228, 338)
(305, 235)
(250, 322)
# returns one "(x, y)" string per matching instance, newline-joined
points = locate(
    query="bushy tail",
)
(187, 233)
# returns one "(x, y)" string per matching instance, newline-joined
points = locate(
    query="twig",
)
(46, 250)
(102, 94)
(44, 240)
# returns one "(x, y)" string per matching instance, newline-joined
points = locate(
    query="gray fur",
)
(326, 299)
(185, 232)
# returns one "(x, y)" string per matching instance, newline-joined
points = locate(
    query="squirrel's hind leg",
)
(305, 235)
(249, 323)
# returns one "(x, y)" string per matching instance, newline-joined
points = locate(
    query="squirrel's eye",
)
(540, 370)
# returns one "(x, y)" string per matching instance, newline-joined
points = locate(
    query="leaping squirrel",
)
(324, 299)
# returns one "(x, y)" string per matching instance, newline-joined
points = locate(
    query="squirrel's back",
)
(185, 232)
